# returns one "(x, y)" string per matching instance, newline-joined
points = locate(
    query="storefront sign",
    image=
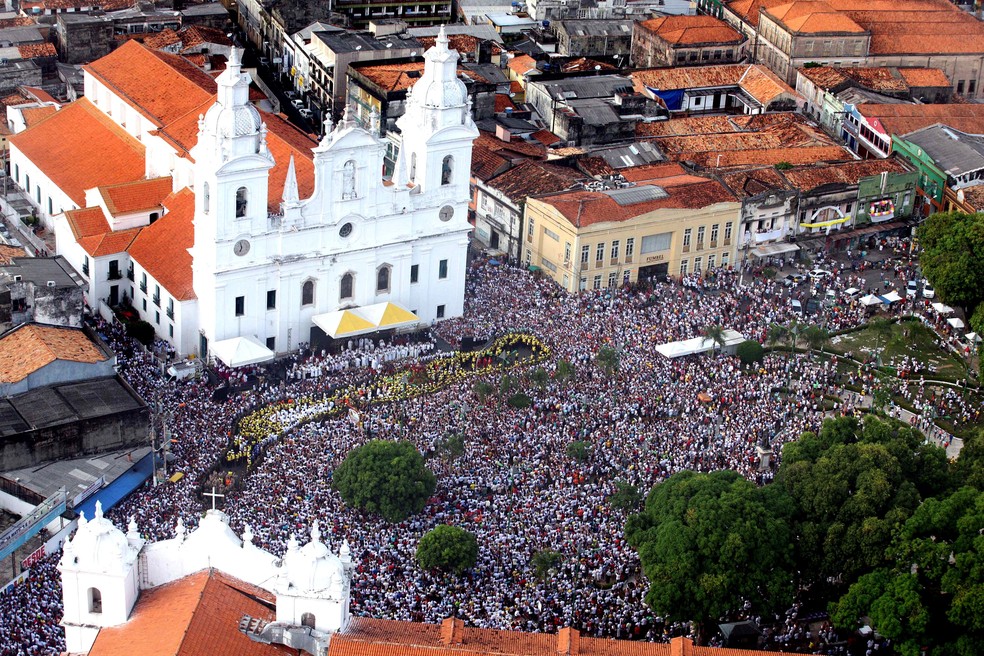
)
(655, 258)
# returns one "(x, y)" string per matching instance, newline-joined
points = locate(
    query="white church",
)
(226, 227)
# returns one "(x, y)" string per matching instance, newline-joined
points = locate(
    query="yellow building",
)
(673, 225)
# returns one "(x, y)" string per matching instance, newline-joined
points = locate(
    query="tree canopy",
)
(386, 478)
(709, 541)
(448, 548)
(750, 352)
(952, 257)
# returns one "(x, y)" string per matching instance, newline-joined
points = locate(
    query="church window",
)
(383, 279)
(345, 230)
(442, 269)
(95, 600)
(447, 168)
(307, 293)
(240, 306)
(413, 167)
(307, 619)
(206, 197)
(440, 311)
(414, 273)
(272, 299)
(242, 198)
(348, 179)
(345, 288)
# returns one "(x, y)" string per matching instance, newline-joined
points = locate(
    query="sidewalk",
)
(935, 435)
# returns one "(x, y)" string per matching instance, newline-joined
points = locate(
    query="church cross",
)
(213, 495)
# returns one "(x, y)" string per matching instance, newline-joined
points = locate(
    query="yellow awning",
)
(343, 323)
(388, 315)
(824, 224)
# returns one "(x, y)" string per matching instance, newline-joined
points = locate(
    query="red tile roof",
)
(515, 147)
(7, 253)
(652, 172)
(903, 119)
(35, 50)
(691, 30)
(531, 178)
(584, 64)
(194, 616)
(486, 164)
(31, 346)
(925, 77)
(522, 64)
(758, 81)
(813, 17)
(682, 193)
(139, 73)
(137, 196)
(546, 137)
(34, 115)
(749, 10)
(93, 234)
(751, 182)
(503, 102)
(162, 247)
(62, 146)
(807, 178)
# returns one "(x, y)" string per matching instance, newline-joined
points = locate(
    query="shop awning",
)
(825, 224)
(867, 230)
(768, 250)
(343, 323)
(242, 351)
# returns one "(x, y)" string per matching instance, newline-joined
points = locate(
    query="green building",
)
(886, 197)
(932, 179)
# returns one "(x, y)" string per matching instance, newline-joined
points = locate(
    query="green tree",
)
(539, 377)
(386, 478)
(506, 384)
(815, 336)
(952, 257)
(608, 359)
(715, 333)
(750, 352)
(708, 542)
(483, 390)
(448, 548)
(777, 333)
(564, 371)
(545, 561)
(579, 451)
(625, 497)
(519, 400)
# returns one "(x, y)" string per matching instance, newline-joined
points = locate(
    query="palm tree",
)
(715, 333)
(882, 327)
(776, 334)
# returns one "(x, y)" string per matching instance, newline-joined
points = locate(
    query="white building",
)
(263, 230)
(104, 571)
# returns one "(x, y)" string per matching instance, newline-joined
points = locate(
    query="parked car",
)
(928, 291)
(794, 279)
(305, 113)
(264, 62)
(818, 274)
(297, 103)
(912, 289)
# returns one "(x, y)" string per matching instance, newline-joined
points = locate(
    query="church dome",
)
(237, 121)
(213, 535)
(313, 568)
(98, 545)
(439, 85)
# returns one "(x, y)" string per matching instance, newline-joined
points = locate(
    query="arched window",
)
(95, 600)
(348, 179)
(383, 279)
(206, 198)
(413, 167)
(307, 619)
(242, 198)
(447, 168)
(307, 293)
(345, 288)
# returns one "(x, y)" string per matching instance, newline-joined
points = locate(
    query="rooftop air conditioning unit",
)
(17, 278)
(51, 283)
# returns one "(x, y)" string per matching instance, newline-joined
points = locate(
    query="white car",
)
(818, 274)
(928, 291)
(298, 103)
(305, 113)
(912, 289)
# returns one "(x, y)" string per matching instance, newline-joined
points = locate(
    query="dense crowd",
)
(515, 487)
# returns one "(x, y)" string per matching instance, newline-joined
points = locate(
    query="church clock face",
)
(446, 213)
(241, 247)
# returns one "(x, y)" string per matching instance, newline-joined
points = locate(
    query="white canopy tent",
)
(892, 297)
(955, 322)
(871, 299)
(242, 351)
(973, 338)
(942, 309)
(365, 320)
(698, 345)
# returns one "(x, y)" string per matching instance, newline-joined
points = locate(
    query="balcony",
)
(143, 287)
(170, 314)
(85, 269)
(157, 301)
(114, 275)
(129, 275)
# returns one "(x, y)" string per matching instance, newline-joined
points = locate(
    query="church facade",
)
(262, 229)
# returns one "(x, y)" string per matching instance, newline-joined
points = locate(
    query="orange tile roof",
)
(584, 64)
(531, 178)
(194, 616)
(758, 81)
(7, 253)
(517, 146)
(164, 38)
(93, 234)
(546, 137)
(137, 196)
(691, 30)
(807, 178)
(39, 95)
(17, 21)
(812, 17)
(34, 115)
(750, 10)
(925, 77)
(35, 50)
(139, 73)
(974, 197)
(652, 172)
(503, 102)
(392, 77)
(461, 42)
(284, 140)
(162, 247)
(486, 164)
(32, 346)
(915, 26)
(522, 64)
(903, 119)
(62, 146)
(87, 222)
(682, 193)
(193, 36)
(751, 182)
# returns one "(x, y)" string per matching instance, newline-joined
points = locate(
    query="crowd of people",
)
(516, 486)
